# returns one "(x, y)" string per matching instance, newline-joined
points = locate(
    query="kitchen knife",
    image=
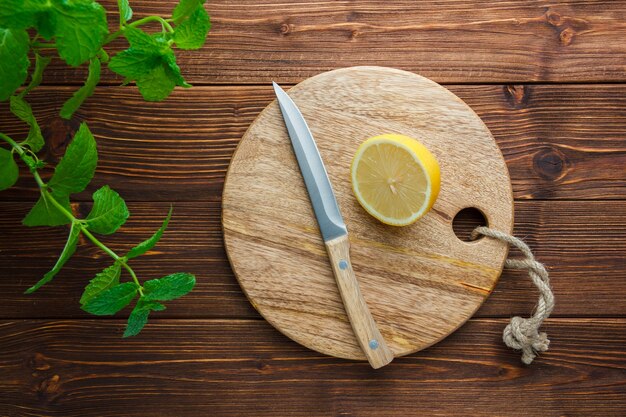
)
(334, 232)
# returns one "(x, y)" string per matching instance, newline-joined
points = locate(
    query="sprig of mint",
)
(78, 31)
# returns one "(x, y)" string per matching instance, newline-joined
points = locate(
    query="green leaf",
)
(170, 287)
(20, 14)
(112, 300)
(151, 242)
(133, 64)
(85, 91)
(185, 8)
(14, 46)
(41, 62)
(80, 29)
(150, 62)
(104, 280)
(136, 320)
(79, 26)
(45, 213)
(22, 109)
(108, 213)
(78, 165)
(68, 251)
(126, 13)
(191, 33)
(8, 169)
(140, 41)
(155, 85)
(139, 316)
(173, 70)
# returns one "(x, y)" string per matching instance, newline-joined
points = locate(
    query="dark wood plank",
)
(456, 41)
(236, 368)
(582, 243)
(559, 141)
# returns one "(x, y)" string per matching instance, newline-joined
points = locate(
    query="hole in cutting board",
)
(466, 221)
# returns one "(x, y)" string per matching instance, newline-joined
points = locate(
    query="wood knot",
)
(550, 164)
(517, 95)
(354, 34)
(38, 362)
(49, 389)
(566, 27)
(58, 133)
(262, 366)
(566, 36)
(553, 18)
(286, 28)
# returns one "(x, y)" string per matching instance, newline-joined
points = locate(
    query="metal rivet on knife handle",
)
(365, 329)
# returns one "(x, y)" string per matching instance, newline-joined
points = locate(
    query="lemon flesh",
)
(395, 178)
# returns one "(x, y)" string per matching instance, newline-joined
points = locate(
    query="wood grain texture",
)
(420, 282)
(457, 41)
(582, 243)
(559, 141)
(74, 368)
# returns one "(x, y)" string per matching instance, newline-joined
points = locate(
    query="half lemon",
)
(395, 178)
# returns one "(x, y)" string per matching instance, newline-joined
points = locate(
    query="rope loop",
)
(523, 333)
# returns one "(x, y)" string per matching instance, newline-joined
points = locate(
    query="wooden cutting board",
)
(421, 282)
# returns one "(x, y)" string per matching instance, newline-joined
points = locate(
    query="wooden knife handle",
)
(371, 341)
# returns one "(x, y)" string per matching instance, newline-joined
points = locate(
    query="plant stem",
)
(46, 194)
(13, 144)
(113, 255)
(139, 22)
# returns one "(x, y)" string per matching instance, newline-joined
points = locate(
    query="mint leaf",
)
(8, 169)
(45, 213)
(14, 46)
(133, 65)
(136, 320)
(191, 33)
(112, 300)
(18, 14)
(151, 242)
(184, 9)
(103, 280)
(79, 26)
(22, 109)
(170, 287)
(68, 251)
(155, 85)
(139, 316)
(78, 165)
(140, 41)
(71, 175)
(108, 213)
(41, 62)
(126, 13)
(150, 62)
(173, 70)
(80, 29)
(85, 91)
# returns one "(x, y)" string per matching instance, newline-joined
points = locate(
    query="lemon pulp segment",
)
(395, 178)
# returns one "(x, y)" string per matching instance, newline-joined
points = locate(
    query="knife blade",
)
(333, 230)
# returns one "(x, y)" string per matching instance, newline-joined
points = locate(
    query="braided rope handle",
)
(523, 334)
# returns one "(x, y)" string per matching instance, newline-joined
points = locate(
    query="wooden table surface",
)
(547, 78)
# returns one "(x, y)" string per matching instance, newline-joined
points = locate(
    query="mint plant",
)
(77, 31)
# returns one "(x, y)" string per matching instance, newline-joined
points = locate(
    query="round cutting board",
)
(420, 282)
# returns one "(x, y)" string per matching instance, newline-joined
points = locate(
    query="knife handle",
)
(371, 341)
